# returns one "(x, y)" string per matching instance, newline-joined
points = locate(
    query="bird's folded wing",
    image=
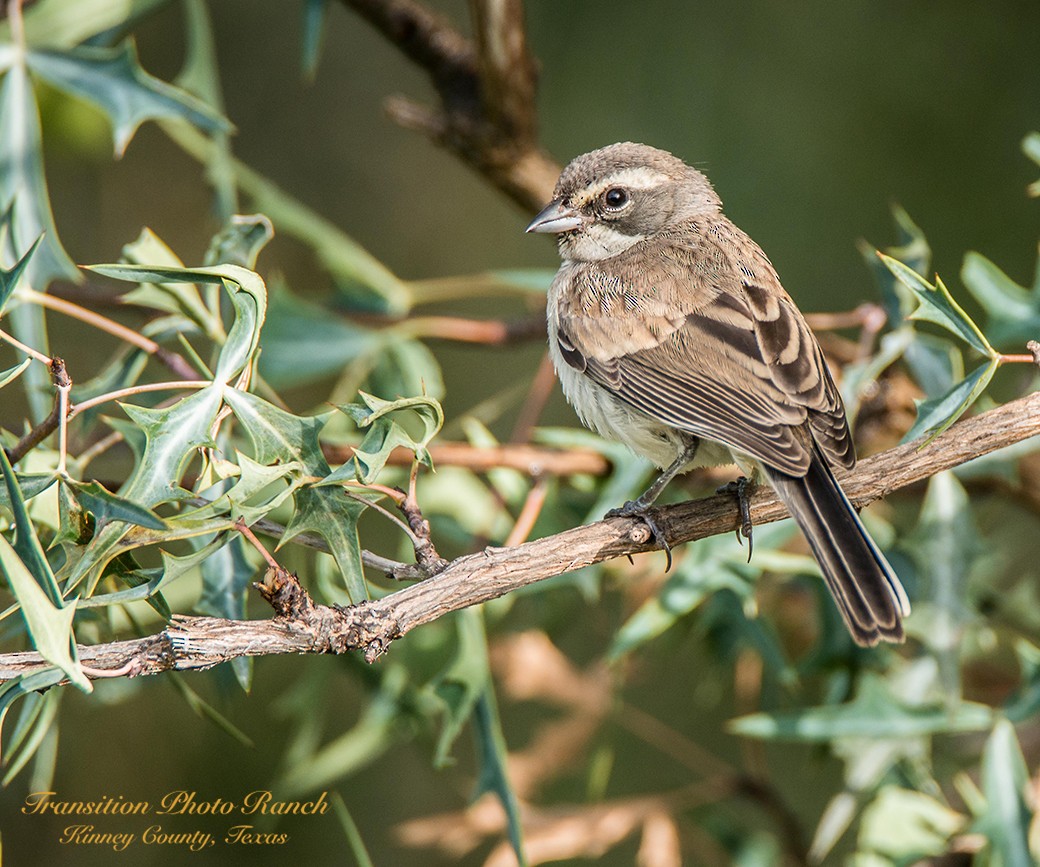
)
(737, 364)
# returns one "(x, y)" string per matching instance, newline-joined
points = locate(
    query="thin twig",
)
(172, 360)
(534, 403)
(54, 420)
(28, 350)
(119, 394)
(532, 460)
(532, 508)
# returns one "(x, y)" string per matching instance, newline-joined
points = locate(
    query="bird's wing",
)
(699, 334)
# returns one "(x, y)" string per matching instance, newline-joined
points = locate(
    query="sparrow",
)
(670, 332)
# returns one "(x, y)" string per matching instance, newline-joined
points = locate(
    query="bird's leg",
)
(640, 507)
(740, 488)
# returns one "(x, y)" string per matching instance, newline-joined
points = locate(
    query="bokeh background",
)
(811, 118)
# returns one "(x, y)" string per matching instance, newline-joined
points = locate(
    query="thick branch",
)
(486, 88)
(304, 627)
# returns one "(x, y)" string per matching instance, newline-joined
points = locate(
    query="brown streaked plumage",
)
(670, 331)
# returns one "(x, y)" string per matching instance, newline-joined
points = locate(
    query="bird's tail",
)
(867, 591)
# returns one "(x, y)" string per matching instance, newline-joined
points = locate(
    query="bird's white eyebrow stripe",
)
(636, 178)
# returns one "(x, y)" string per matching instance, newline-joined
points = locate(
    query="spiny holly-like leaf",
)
(937, 305)
(181, 297)
(1006, 820)
(240, 241)
(113, 79)
(245, 288)
(172, 436)
(936, 415)
(874, 713)
(277, 435)
(331, 514)
(912, 249)
(1013, 312)
(29, 576)
(385, 433)
(106, 507)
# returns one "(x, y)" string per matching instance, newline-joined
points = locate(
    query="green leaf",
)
(107, 507)
(240, 241)
(331, 514)
(1013, 312)
(370, 737)
(711, 565)
(226, 578)
(245, 288)
(1031, 148)
(29, 576)
(315, 13)
(874, 713)
(60, 24)
(277, 435)
(912, 249)
(937, 305)
(23, 184)
(936, 415)
(386, 433)
(180, 297)
(493, 757)
(461, 684)
(1006, 820)
(172, 437)
(204, 710)
(907, 827)
(9, 277)
(12, 373)
(350, 829)
(113, 79)
(945, 544)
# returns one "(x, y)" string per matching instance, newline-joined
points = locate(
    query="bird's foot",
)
(636, 509)
(740, 488)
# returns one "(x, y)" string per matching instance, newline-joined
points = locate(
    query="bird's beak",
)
(556, 217)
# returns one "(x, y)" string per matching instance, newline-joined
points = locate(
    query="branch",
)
(530, 459)
(486, 88)
(301, 626)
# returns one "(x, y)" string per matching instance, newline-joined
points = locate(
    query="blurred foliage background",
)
(812, 120)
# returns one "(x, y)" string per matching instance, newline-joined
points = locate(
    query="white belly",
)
(602, 411)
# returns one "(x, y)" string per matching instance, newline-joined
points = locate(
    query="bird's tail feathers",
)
(866, 589)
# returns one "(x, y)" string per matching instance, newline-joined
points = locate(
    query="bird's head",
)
(609, 199)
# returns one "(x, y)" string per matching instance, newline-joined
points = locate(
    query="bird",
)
(670, 332)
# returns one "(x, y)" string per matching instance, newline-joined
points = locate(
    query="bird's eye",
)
(615, 198)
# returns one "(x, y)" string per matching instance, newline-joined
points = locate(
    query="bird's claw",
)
(740, 488)
(635, 509)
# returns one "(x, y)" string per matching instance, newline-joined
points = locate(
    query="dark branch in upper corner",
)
(302, 626)
(486, 88)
